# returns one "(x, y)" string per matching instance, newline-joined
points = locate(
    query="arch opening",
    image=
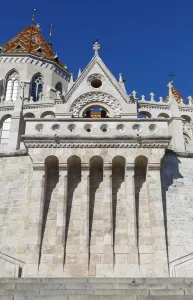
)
(96, 112)
(144, 115)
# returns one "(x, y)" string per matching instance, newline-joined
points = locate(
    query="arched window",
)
(12, 87)
(144, 115)
(58, 87)
(37, 87)
(5, 130)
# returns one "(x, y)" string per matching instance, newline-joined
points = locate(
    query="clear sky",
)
(144, 40)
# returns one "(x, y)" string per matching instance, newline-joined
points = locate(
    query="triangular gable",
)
(97, 60)
(29, 40)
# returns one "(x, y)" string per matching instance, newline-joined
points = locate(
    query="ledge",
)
(96, 288)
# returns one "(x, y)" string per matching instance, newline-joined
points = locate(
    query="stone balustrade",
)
(104, 129)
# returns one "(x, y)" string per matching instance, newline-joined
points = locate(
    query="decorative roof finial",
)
(96, 47)
(171, 75)
(79, 71)
(170, 86)
(51, 31)
(34, 15)
(120, 77)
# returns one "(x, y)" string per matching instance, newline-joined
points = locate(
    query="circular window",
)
(39, 127)
(72, 127)
(88, 127)
(104, 128)
(121, 128)
(96, 83)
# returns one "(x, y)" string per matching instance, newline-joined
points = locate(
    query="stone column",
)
(35, 219)
(84, 226)
(61, 213)
(157, 220)
(108, 214)
(131, 213)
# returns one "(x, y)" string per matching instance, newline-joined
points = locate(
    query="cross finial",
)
(96, 47)
(171, 75)
(33, 16)
(51, 31)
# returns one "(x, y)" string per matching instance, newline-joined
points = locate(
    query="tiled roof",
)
(30, 40)
(177, 96)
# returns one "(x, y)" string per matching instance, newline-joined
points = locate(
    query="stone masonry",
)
(95, 184)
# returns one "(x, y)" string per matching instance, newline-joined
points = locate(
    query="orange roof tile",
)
(30, 40)
(177, 96)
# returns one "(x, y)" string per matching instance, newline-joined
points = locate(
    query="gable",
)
(89, 82)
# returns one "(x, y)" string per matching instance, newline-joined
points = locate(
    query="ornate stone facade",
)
(84, 196)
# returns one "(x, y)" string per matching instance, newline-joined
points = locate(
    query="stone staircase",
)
(96, 289)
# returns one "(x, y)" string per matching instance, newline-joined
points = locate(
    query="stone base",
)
(96, 289)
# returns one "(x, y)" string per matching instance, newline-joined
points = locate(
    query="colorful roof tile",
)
(177, 96)
(30, 40)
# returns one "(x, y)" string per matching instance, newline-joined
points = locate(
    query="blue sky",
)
(144, 40)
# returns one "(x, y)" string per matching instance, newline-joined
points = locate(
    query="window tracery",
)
(37, 87)
(12, 87)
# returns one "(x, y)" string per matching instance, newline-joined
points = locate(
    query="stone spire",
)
(79, 71)
(122, 82)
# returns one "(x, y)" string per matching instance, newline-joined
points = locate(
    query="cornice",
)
(32, 59)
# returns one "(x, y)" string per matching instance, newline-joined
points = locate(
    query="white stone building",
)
(94, 182)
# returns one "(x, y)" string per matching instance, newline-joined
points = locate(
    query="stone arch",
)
(37, 84)
(187, 119)
(59, 87)
(5, 127)
(11, 84)
(29, 115)
(144, 114)
(163, 115)
(187, 138)
(93, 98)
(48, 114)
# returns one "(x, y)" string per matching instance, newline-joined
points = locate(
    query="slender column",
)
(131, 213)
(157, 220)
(35, 219)
(84, 226)
(108, 214)
(61, 212)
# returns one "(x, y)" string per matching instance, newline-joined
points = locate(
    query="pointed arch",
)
(5, 129)
(12, 85)
(37, 84)
(59, 87)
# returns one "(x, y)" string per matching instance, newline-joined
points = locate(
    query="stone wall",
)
(15, 189)
(177, 191)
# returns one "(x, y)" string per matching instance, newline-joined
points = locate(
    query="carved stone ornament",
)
(94, 76)
(94, 97)
(96, 145)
